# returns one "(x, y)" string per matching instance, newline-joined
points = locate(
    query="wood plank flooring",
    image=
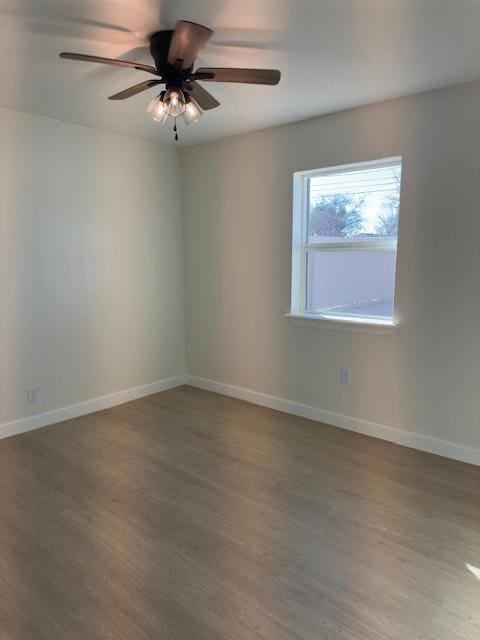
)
(191, 516)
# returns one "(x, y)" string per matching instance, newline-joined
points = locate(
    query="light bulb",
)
(157, 110)
(192, 112)
(174, 101)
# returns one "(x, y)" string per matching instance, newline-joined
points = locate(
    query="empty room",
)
(240, 320)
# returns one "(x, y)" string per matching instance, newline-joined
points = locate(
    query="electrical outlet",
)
(33, 394)
(345, 376)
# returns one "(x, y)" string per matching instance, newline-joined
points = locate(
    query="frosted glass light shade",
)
(192, 112)
(157, 110)
(174, 102)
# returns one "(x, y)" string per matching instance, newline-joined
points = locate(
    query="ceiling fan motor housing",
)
(159, 46)
(174, 76)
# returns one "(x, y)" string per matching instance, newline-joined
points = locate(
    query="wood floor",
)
(191, 516)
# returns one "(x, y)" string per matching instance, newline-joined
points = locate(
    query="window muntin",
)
(345, 240)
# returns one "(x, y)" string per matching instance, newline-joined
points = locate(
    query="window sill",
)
(338, 323)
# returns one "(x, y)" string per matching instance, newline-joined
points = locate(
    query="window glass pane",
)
(361, 204)
(357, 282)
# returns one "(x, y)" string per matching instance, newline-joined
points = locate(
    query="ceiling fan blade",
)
(201, 95)
(187, 40)
(138, 88)
(249, 76)
(116, 63)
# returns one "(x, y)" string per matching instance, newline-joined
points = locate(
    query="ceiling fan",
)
(174, 53)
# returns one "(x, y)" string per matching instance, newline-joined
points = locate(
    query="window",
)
(345, 226)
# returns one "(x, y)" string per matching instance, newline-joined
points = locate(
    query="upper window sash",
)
(301, 204)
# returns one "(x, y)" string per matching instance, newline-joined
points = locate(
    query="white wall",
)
(91, 265)
(237, 197)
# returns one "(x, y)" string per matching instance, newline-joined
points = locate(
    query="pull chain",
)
(175, 130)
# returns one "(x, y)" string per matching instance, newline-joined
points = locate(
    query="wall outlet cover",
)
(33, 394)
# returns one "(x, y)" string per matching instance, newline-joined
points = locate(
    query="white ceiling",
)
(333, 54)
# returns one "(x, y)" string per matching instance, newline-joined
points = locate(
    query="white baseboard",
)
(398, 436)
(89, 406)
(391, 434)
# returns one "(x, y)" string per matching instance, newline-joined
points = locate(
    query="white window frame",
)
(300, 249)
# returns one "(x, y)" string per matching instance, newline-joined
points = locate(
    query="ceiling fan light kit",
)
(174, 54)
